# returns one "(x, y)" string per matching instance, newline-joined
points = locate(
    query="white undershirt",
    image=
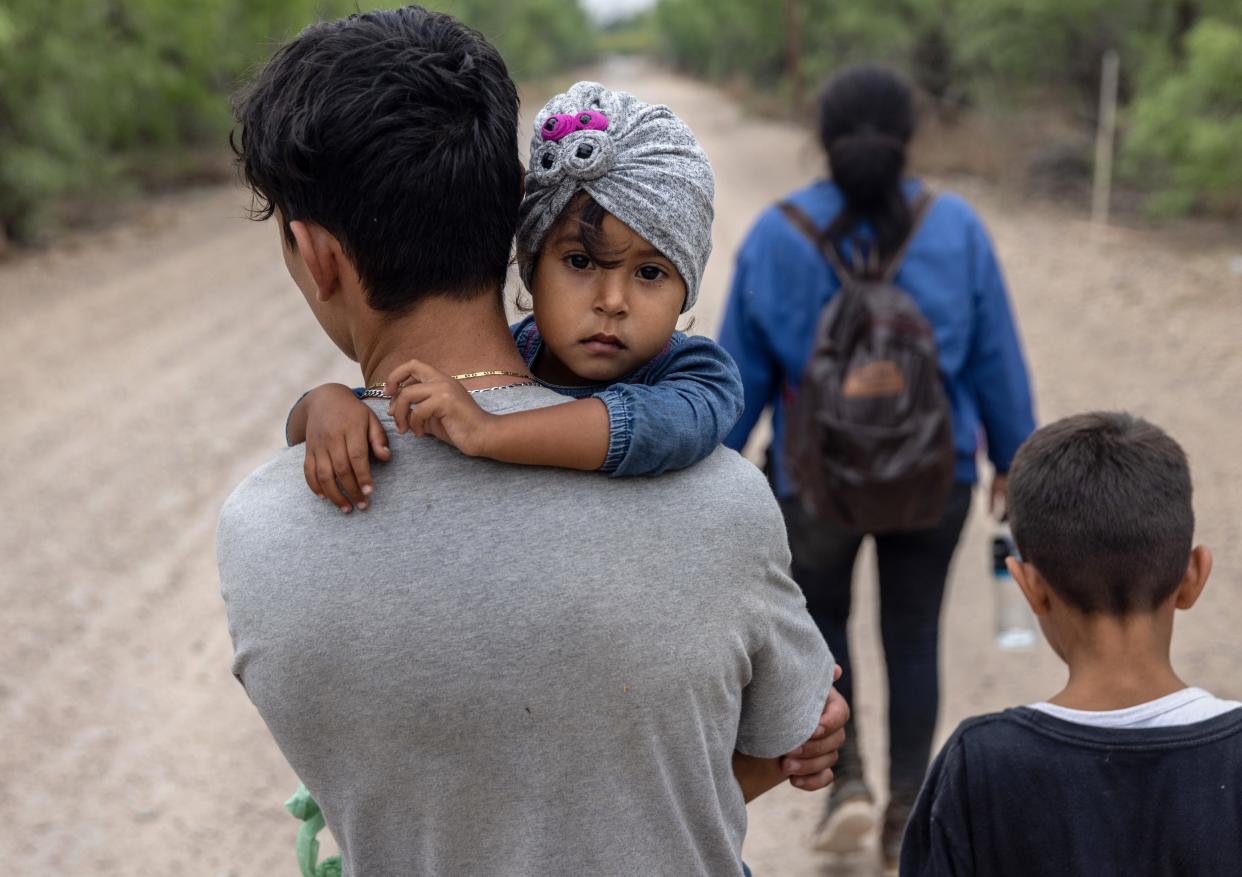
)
(1183, 707)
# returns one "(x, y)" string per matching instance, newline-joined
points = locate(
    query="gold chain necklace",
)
(376, 391)
(490, 374)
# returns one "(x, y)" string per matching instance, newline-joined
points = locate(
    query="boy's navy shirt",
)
(1023, 793)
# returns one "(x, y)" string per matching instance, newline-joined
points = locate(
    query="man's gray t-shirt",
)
(511, 670)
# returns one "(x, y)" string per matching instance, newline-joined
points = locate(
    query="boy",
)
(1127, 770)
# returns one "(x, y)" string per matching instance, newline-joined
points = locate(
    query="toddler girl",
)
(613, 236)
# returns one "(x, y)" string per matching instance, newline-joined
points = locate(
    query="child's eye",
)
(578, 261)
(651, 272)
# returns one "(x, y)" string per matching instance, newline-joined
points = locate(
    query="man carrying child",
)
(495, 669)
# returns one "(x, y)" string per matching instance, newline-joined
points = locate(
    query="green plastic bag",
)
(304, 807)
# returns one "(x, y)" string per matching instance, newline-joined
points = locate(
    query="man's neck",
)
(1116, 663)
(452, 336)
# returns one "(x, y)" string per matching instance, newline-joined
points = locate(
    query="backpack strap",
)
(798, 219)
(918, 210)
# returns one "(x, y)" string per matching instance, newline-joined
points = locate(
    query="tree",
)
(1185, 127)
(98, 96)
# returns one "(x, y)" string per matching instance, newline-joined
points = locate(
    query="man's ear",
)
(321, 252)
(1198, 569)
(1033, 586)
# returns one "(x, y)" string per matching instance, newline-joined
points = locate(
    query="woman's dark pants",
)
(913, 567)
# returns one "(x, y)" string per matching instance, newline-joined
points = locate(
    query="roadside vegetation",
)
(1180, 61)
(103, 97)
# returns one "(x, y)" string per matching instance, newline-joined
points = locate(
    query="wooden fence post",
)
(1105, 135)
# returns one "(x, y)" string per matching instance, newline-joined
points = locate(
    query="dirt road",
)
(148, 369)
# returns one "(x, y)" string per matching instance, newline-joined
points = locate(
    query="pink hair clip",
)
(589, 120)
(559, 126)
(563, 124)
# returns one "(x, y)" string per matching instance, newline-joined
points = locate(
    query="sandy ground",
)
(148, 369)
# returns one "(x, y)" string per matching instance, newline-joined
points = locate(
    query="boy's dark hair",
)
(397, 132)
(1101, 506)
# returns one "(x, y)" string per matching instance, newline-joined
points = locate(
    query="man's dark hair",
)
(397, 132)
(1101, 506)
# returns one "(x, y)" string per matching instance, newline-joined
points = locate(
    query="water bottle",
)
(1015, 622)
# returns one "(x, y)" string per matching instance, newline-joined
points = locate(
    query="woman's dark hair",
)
(397, 132)
(866, 120)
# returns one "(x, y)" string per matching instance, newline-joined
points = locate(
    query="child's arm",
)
(756, 775)
(572, 436)
(809, 767)
(691, 398)
(340, 432)
(685, 406)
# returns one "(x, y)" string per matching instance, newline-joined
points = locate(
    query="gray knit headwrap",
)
(645, 168)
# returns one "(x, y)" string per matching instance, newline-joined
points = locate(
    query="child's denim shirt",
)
(667, 414)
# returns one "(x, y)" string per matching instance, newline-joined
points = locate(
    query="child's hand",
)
(809, 767)
(443, 409)
(341, 434)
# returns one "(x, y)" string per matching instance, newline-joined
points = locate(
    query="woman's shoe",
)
(896, 815)
(847, 820)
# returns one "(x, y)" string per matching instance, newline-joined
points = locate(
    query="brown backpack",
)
(869, 436)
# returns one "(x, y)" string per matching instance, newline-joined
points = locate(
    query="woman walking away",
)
(898, 246)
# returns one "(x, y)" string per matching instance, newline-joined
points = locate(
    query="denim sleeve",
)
(526, 337)
(995, 367)
(688, 402)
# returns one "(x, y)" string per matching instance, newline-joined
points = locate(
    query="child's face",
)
(600, 323)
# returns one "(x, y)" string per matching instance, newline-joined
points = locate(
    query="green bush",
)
(1180, 61)
(747, 38)
(636, 35)
(97, 96)
(724, 37)
(1185, 129)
